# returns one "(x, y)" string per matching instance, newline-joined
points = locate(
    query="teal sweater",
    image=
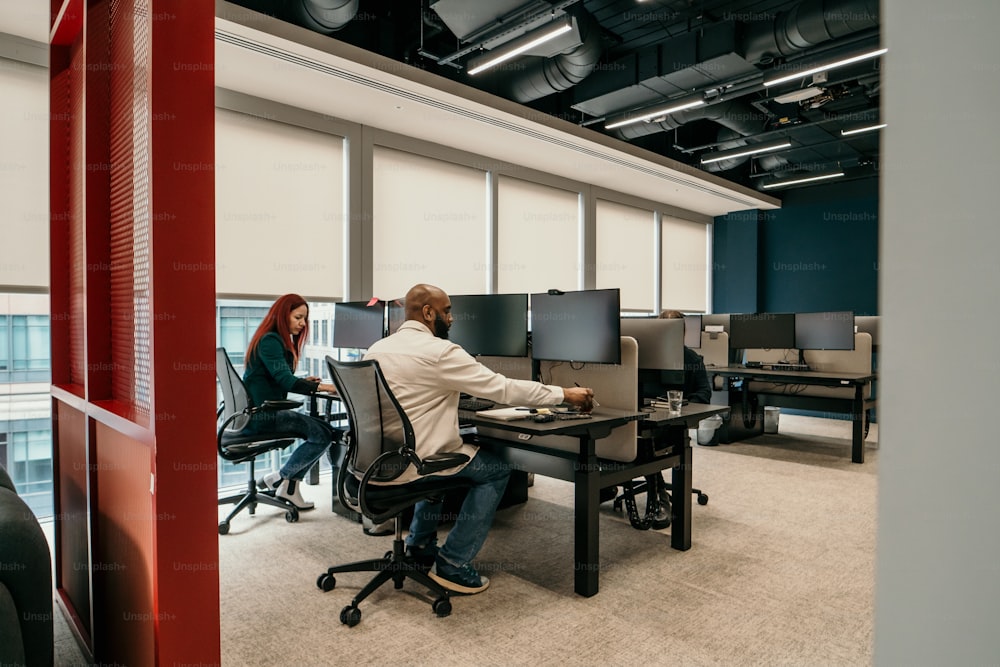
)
(268, 375)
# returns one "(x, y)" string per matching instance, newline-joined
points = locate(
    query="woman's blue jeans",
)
(489, 477)
(315, 433)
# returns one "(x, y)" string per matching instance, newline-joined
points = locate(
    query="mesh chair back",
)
(377, 422)
(234, 393)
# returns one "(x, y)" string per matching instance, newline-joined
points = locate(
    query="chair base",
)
(395, 566)
(632, 489)
(249, 500)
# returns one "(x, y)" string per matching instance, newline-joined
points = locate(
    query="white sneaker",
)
(269, 482)
(289, 490)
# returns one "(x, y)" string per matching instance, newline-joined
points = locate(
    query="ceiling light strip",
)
(659, 112)
(798, 181)
(527, 46)
(859, 130)
(745, 150)
(824, 68)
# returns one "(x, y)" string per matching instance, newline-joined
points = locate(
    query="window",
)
(29, 462)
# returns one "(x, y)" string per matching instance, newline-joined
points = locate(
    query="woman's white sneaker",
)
(289, 490)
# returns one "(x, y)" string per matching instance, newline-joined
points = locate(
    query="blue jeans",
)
(489, 476)
(316, 434)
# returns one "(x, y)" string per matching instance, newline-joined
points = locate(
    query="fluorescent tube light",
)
(525, 43)
(803, 179)
(823, 68)
(859, 130)
(745, 150)
(663, 111)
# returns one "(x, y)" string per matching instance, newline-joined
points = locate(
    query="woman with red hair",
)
(271, 358)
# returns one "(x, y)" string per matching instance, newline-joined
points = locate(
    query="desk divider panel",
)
(615, 386)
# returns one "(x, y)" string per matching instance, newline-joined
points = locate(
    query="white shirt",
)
(427, 374)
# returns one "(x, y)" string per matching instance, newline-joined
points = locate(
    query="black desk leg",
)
(586, 541)
(680, 527)
(858, 417)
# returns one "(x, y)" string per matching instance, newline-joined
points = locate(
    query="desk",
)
(857, 406)
(589, 474)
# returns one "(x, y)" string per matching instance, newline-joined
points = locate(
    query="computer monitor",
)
(767, 331)
(661, 342)
(578, 326)
(357, 324)
(494, 325)
(692, 331)
(831, 330)
(397, 314)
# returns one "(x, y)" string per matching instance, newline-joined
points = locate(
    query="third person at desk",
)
(427, 373)
(696, 388)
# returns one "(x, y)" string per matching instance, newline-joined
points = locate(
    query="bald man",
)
(427, 373)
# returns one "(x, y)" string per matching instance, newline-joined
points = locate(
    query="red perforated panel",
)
(130, 210)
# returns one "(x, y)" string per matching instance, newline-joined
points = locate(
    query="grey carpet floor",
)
(781, 572)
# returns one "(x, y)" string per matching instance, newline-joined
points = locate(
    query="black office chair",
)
(633, 488)
(381, 446)
(238, 447)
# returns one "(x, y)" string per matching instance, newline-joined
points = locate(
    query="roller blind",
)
(24, 174)
(685, 265)
(626, 253)
(279, 207)
(538, 237)
(429, 225)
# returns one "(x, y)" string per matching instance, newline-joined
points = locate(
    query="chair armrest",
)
(285, 404)
(438, 462)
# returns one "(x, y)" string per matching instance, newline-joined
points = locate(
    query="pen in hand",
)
(593, 401)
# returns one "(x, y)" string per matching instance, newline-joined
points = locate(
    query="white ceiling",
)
(294, 66)
(300, 68)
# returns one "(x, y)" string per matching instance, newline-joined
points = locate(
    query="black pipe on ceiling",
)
(560, 72)
(323, 16)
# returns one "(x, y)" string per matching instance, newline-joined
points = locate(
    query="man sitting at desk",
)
(427, 373)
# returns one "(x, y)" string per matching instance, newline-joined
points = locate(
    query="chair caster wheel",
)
(224, 528)
(350, 616)
(388, 555)
(442, 607)
(326, 582)
(292, 516)
(702, 498)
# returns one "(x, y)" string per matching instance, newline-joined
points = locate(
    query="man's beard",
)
(440, 328)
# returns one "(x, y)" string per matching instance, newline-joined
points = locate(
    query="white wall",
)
(938, 567)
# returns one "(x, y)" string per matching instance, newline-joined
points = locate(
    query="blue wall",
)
(819, 251)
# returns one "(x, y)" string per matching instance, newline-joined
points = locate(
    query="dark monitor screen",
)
(832, 330)
(578, 326)
(494, 325)
(397, 314)
(692, 331)
(762, 330)
(356, 324)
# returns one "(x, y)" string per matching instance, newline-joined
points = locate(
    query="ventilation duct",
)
(323, 16)
(551, 75)
(807, 24)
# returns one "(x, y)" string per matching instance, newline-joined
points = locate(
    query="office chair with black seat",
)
(381, 446)
(239, 447)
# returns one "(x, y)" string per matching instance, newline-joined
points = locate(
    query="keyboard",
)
(787, 367)
(474, 404)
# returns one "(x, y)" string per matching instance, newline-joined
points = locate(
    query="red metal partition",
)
(133, 335)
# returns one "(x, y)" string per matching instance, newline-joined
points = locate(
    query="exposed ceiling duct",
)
(323, 16)
(805, 25)
(545, 76)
